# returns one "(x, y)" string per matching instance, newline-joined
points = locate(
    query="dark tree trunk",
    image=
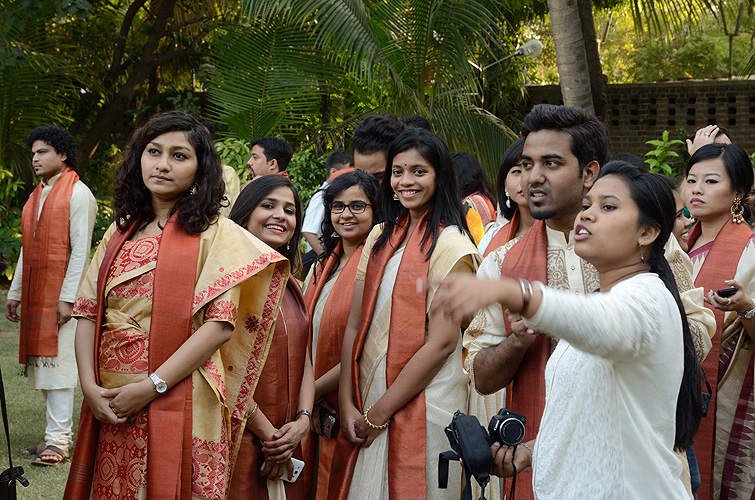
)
(597, 79)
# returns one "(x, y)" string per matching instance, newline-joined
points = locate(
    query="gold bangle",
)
(370, 424)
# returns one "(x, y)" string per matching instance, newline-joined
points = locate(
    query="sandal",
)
(34, 450)
(51, 456)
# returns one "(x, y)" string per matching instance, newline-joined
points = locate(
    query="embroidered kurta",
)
(611, 389)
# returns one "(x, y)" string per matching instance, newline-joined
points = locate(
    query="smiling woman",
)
(278, 430)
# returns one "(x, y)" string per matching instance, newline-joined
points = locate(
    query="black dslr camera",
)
(506, 427)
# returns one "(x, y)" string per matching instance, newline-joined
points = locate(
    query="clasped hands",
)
(280, 448)
(114, 406)
(355, 427)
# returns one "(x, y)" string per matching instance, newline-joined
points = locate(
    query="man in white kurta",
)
(57, 376)
(561, 160)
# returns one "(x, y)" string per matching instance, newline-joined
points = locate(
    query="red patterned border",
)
(86, 308)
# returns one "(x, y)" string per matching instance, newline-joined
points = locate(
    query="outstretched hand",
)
(461, 295)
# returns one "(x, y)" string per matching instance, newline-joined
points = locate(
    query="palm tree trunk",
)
(571, 56)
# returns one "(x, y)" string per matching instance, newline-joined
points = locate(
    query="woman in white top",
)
(622, 386)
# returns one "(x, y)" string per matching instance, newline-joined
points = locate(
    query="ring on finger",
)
(728, 301)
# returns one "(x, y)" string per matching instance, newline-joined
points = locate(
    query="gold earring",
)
(395, 197)
(193, 189)
(737, 210)
(288, 245)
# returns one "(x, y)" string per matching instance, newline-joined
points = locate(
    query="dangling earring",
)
(395, 197)
(193, 189)
(335, 235)
(508, 200)
(288, 245)
(737, 209)
(642, 255)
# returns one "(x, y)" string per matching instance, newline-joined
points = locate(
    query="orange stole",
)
(504, 235)
(45, 243)
(719, 265)
(406, 460)
(277, 395)
(169, 422)
(335, 315)
(528, 259)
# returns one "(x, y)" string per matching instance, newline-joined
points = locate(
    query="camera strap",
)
(513, 478)
(469, 445)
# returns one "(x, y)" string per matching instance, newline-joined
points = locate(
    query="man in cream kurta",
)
(564, 149)
(56, 377)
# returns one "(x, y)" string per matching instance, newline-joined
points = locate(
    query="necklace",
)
(160, 226)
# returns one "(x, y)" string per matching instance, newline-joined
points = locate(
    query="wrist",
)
(377, 418)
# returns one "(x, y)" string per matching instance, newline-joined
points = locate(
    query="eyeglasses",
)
(354, 208)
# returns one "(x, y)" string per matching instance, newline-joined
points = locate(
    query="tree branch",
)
(120, 48)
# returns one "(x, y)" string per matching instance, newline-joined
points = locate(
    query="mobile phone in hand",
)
(727, 292)
(298, 467)
(328, 423)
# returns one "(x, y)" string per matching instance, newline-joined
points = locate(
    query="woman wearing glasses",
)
(350, 213)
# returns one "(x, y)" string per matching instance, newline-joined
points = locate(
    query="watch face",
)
(161, 387)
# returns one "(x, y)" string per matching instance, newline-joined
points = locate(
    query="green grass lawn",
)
(26, 415)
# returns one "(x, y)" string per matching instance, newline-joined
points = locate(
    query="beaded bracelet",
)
(370, 424)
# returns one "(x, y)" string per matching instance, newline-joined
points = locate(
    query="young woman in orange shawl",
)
(278, 425)
(401, 377)
(174, 324)
(722, 249)
(350, 214)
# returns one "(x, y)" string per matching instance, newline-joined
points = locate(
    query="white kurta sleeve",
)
(619, 325)
(14, 292)
(83, 213)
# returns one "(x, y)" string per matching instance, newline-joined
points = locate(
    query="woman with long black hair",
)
(623, 385)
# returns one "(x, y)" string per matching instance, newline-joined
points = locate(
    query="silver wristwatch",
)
(160, 385)
(747, 315)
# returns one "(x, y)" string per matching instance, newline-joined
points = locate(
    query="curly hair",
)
(60, 139)
(198, 207)
(367, 183)
(252, 196)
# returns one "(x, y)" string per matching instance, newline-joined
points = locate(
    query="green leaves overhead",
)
(290, 63)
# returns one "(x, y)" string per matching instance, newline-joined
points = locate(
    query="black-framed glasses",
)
(357, 207)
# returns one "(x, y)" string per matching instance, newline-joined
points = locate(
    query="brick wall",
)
(640, 112)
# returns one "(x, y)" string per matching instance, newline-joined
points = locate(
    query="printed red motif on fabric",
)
(133, 255)
(214, 373)
(86, 308)
(121, 465)
(229, 280)
(124, 351)
(222, 310)
(210, 473)
(141, 286)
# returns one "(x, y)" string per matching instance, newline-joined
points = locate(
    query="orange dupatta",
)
(718, 266)
(45, 244)
(528, 259)
(169, 416)
(406, 460)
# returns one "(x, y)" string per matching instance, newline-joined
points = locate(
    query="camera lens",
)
(512, 431)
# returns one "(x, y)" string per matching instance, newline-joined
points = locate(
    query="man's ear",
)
(274, 169)
(590, 174)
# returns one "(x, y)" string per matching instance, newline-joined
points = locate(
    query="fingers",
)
(110, 393)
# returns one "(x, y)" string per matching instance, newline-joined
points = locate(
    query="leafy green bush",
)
(10, 220)
(659, 159)
(235, 152)
(307, 173)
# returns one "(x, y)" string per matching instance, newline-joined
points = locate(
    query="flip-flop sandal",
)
(33, 450)
(57, 455)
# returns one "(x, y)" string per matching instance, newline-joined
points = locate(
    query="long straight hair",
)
(446, 202)
(655, 200)
(252, 196)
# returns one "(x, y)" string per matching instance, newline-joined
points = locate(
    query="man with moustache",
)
(56, 231)
(564, 149)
